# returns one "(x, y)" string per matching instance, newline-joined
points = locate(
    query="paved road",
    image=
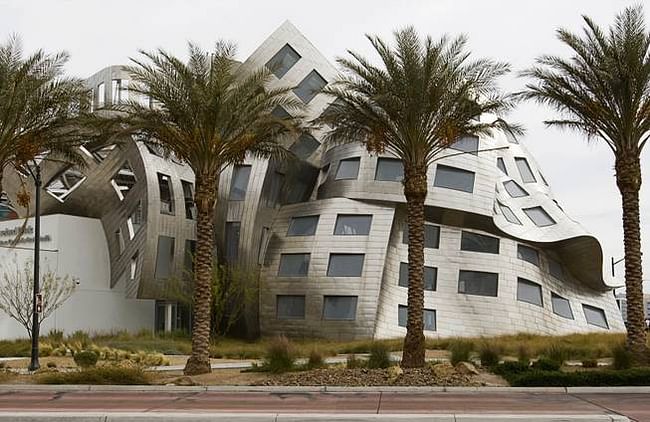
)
(635, 406)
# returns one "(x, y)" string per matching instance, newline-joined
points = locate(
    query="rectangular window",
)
(303, 226)
(514, 190)
(431, 236)
(239, 184)
(529, 292)
(595, 316)
(528, 254)
(429, 317)
(345, 265)
(164, 257)
(188, 194)
(389, 170)
(555, 269)
(524, 170)
(478, 283)
(275, 190)
(233, 230)
(539, 216)
(282, 61)
(348, 169)
(508, 214)
(348, 224)
(502, 165)
(475, 242)
(304, 146)
(166, 194)
(290, 306)
(309, 87)
(466, 144)
(101, 95)
(294, 264)
(430, 276)
(119, 91)
(454, 178)
(561, 306)
(340, 308)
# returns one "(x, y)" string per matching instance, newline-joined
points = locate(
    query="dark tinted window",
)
(479, 243)
(454, 178)
(283, 60)
(478, 283)
(345, 265)
(528, 291)
(303, 226)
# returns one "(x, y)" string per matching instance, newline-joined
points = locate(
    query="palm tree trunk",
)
(205, 197)
(628, 179)
(415, 190)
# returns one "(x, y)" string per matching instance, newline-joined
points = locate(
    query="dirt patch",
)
(216, 377)
(437, 375)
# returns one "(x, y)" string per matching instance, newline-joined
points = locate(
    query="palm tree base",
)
(414, 351)
(197, 366)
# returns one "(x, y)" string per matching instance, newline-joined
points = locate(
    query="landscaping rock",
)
(466, 368)
(394, 372)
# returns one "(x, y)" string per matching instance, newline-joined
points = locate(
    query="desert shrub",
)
(55, 336)
(622, 357)
(80, 337)
(379, 356)
(315, 360)
(280, 355)
(15, 348)
(99, 376)
(558, 353)
(546, 364)
(590, 363)
(508, 368)
(489, 355)
(598, 378)
(353, 362)
(85, 358)
(51, 364)
(523, 355)
(460, 351)
(45, 349)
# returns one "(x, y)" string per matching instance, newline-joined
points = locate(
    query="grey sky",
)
(102, 33)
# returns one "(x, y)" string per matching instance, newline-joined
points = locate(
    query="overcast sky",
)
(102, 33)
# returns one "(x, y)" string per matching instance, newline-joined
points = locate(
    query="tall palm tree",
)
(210, 115)
(41, 110)
(421, 99)
(603, 91)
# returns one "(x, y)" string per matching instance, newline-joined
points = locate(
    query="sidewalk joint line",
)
(381, 393)
(611, 411)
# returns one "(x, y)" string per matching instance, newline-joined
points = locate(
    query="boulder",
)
(466, 368)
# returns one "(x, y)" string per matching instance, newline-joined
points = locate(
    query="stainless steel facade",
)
(467, 194)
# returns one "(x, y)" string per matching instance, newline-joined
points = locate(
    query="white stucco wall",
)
(77, 246)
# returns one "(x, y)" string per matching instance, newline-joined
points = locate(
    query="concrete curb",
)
(295, 417)
(320, 389)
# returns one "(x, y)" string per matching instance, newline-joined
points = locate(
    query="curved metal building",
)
(325, 236)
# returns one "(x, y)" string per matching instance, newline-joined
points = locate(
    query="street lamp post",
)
(34, 364)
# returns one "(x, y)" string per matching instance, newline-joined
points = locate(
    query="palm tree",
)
(210, 115)
(42, 112)
(603, 91)
(422, 98)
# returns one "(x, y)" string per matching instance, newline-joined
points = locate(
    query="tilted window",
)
(283, 60)
(528, 254)
(561, 306)
(539, 216)
(595, 316)
(339, 308)
(345, 265)
(478, 283)
(430, 276)
(454, 178)
(509, 214)
(290, 307)
(239, 184)
(431, 236)
(166, 194)
(555, 269)
(502, 165)
(188, 194)
(475, 242)
(164, 257)
(309, 87)
(514, 190)
(389, 170)
(303, 226)
(524, 170)
(529, 292)
(294, 265)
(467, 144)
(304, 146)
(348, 169)
(350, 224)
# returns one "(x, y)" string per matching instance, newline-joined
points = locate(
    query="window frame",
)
(358, 216)
(449, 170)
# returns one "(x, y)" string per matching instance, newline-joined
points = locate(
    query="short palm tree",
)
(422, 98)
(211, 115)
(41, 110)
(603, 91)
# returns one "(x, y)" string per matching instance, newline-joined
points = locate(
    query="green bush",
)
(523, 355)
(85, 358)
(489, 355)
(557, 353)
(379, 356)
(598, 378)
(55, 336)
(622, 357)
(98, 376)
(15, 348)
(509, 368)
(353, 362)
(546, 364)
(460, 351)
(590, 363)
(280, 356)
(315, 360)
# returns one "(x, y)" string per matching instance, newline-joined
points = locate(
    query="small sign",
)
(39, 303)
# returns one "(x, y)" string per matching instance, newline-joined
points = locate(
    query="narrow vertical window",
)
(239, 184)
(164, 257)
(101, 95)
(233, 230)
(188, 194)
(166, 194)
(524, 170)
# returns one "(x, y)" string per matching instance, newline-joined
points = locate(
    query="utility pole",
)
(36, 306)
